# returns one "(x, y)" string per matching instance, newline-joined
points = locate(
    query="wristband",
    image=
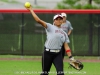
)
(68, 51)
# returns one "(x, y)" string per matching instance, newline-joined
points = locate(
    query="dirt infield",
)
(95, 59)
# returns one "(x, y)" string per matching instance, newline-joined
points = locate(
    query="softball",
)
(27, 5)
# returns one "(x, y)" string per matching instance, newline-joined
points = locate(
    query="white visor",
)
(64, 14)
(56, 16)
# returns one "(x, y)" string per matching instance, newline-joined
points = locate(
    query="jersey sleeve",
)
(70, 26)
(49, 26)
(67, 39)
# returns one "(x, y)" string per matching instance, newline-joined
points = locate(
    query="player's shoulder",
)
(49, 24)
(67, 21)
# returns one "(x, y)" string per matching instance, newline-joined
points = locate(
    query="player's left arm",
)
(70, 28)
(69, 32)
(76, 64)
(68, 51)
(73, 62)
(67, 48)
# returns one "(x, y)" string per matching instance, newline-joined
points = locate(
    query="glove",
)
(76, 64)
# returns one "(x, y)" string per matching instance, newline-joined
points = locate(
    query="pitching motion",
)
(52, 47)
(27, 5)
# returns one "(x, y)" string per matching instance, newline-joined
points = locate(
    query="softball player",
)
(55, 39)
(67, 27)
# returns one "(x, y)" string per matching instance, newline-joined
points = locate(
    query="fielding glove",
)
(76, 64)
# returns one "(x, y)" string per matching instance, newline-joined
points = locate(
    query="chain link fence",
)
(20, 34)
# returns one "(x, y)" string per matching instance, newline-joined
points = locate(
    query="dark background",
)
(21, 35)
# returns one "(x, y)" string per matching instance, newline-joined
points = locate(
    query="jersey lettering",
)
(59, 31)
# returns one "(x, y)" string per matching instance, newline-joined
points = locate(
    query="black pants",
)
(63, 51)
(50, 57)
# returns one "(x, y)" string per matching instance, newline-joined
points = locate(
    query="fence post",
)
(35, 2)
(99, 35)
(22, 34)
(90, 35)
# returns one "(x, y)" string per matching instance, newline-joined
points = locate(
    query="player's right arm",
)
(37, 19)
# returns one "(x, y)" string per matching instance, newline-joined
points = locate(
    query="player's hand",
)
(72, 59)
(30, 8)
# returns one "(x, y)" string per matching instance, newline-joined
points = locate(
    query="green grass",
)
(13, 67)
(26, 56)
(30, 67)
(33, 67)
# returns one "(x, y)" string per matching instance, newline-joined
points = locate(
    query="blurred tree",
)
(78, 4)
(90, 1)
(97, 1)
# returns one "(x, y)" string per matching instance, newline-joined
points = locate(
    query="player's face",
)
(58, 21)
(64, 18)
